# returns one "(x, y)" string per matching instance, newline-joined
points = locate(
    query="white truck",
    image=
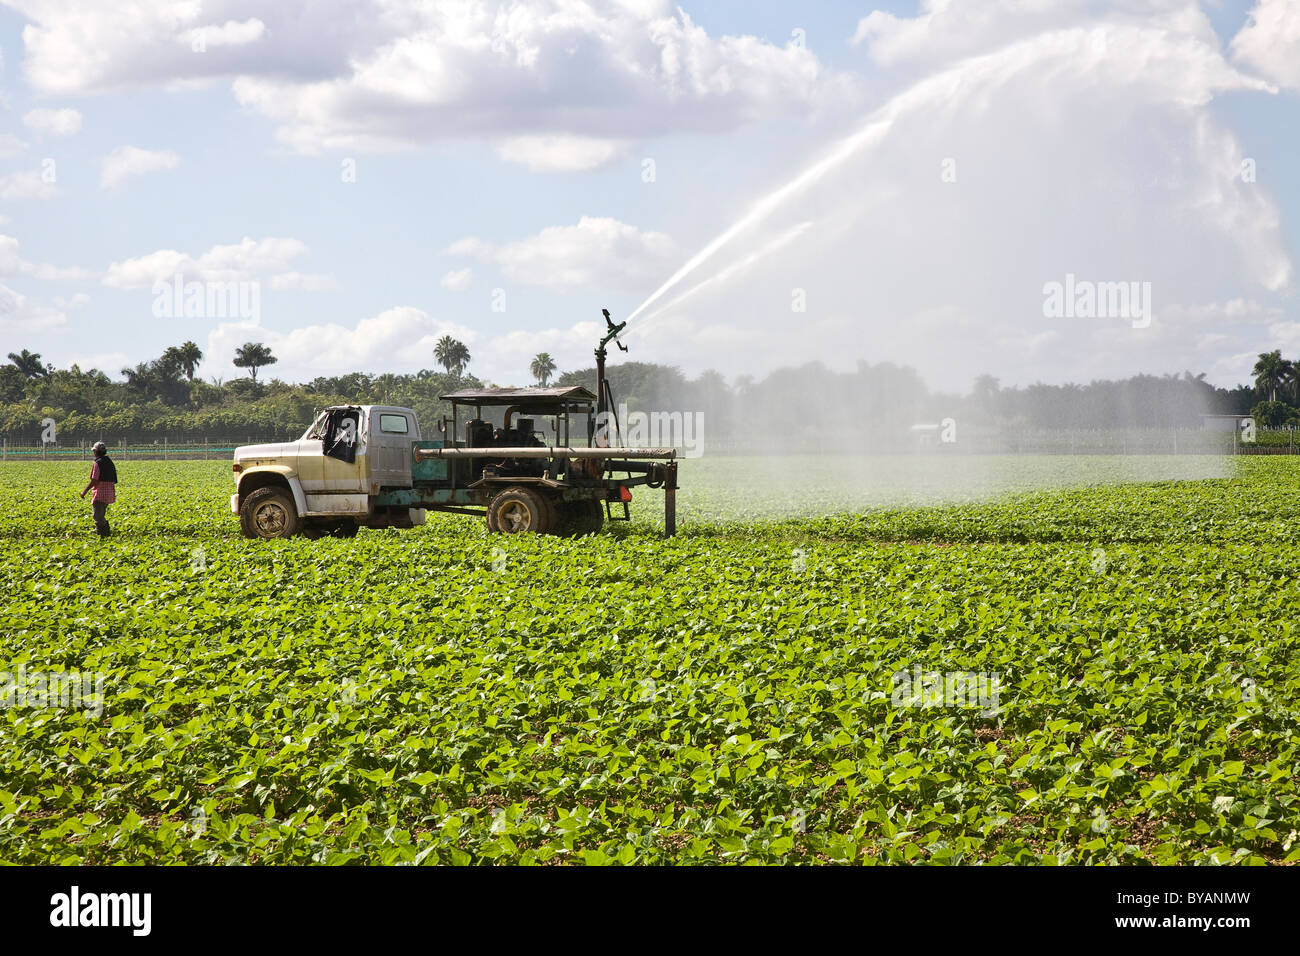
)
(514, 463)
(329, 481)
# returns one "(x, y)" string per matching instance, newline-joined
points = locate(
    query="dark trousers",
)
(99, 509)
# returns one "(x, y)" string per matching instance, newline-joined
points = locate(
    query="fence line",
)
(163, 450)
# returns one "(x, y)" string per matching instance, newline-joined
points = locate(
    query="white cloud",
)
(79, 46)
(506, 356)
(303, 282)
(10, 145)
(1270, 42)
(1234, 369)
(379, 74)
(18, 314)
(46, 271)
(108, 362)
(60, 122)
(1235, 312)
(398, 339)
(550, 154)
(600, 252)
(12, 264)
(945, 30)
(78, 301)
(127, 161)
(244, 260)
(1284, 335)
(458, 280)
(27, 184)
(543, 69)
(230, 33)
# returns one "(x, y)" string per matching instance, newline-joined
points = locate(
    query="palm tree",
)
(451, 354)
(386, 386)
(252, 356)
(29, 363)
(1271, 372)
(1292, 383)
(543, 367)
(187, 357)
(443, 351)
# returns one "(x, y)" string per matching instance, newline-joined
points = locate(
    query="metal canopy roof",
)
(521, 396)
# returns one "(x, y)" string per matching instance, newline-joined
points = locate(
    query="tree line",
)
(163, 398)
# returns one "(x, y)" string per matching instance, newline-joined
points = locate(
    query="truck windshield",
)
(317, 429)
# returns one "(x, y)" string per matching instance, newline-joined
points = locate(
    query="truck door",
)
(388, 447)
(343, 463)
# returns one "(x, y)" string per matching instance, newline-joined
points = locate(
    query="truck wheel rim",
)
(515, 516)
(270, 519)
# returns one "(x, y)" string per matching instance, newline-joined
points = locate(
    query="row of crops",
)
(731, 695)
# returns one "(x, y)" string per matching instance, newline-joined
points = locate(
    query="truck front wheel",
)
(269, 513)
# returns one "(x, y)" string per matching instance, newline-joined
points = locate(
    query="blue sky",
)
(501, 154)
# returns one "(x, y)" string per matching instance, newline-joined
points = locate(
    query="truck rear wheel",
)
(269, 513)
(517, 510)
(576, 518)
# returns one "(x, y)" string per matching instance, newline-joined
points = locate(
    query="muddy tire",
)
(576, 518)
(517, 510)
(269, 513)
(552, 506)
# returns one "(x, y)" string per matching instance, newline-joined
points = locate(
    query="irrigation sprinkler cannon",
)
(523, 483)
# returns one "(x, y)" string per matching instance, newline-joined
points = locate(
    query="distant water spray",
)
(874, 131)
(779, 242)
(870, 451)
(947, 90)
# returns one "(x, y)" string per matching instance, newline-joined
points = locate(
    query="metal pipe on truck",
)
(534, 451)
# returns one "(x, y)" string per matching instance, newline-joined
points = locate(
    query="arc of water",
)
(873, 130)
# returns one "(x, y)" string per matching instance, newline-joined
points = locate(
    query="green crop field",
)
(731, 695)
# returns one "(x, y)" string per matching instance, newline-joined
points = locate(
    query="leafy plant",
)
(725, 696)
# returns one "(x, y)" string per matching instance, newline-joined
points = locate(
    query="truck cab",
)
(330, 480)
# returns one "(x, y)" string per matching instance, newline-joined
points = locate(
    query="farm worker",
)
(103, 479)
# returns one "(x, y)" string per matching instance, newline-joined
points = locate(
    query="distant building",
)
(925, 434)
(1222, 423)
